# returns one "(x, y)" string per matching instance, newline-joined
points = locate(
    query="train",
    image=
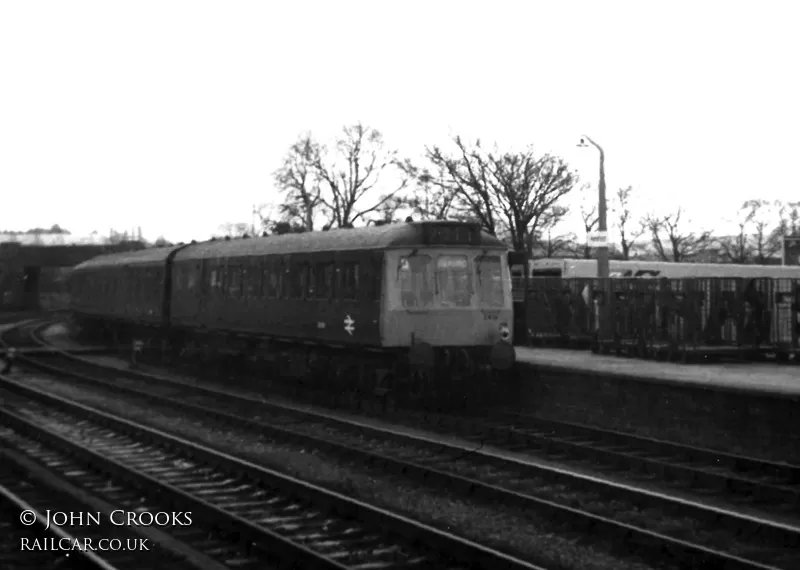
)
(572, 268)
(378, 303)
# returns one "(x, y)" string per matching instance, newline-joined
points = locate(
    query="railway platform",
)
(762, 378)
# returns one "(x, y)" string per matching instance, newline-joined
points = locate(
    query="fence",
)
(665, 317)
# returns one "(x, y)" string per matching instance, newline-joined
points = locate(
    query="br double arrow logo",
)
(348, 325)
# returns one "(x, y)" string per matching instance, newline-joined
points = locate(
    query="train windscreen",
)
(490, 281)
(416, 282)
(453, 281)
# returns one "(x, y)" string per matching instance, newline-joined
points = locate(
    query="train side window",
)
(286, 282)
(347, 282)
(321, 272)
(330, 282)
(281, 284)
(191, 278)
(264, 269)
(181, 279)
(235, 281)
(271, 277)
(244, 289)
(376, 279)
(301, 284)
(253, 280)
(224, 276)
(263, 278)
(311, 285)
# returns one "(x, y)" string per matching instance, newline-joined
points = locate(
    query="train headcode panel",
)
(451, 234)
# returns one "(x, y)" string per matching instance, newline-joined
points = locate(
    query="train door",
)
(324, 272)
(205, 287)
(518, 265)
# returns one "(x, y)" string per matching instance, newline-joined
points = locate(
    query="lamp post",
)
(602, 249)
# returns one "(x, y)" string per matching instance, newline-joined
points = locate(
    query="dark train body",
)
(377, 301)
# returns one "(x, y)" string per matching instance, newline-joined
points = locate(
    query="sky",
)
(173, 115)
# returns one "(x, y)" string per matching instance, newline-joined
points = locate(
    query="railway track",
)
(47, 484)
(267, 513)
(743, 481)
(715, 538)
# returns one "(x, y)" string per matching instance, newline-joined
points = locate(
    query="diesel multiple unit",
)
(403, 297)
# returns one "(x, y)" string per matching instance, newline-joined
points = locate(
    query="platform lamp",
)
(601, 309)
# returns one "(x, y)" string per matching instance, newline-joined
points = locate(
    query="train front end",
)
(451, 307)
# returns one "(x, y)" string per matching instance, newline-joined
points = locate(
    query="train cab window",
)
(416, 281)
(191, 279)
(490, 280)
(453, 281)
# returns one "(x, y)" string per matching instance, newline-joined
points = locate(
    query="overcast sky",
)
(172, 115)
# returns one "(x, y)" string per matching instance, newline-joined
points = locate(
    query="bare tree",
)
(298, 179)
(739, 248)
(551, 244)
(507, 193)
(765, 219)
(669, 239)
(353, 171)
(627, 234)
(467, 174)
(590, 220)
(789, 219)
(434, 195)
(548, 241)
(769, 222)
(346, 184)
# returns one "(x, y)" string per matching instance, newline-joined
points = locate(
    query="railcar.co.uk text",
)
(119, 518)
